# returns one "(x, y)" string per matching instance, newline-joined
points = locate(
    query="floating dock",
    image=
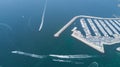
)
(106, 30)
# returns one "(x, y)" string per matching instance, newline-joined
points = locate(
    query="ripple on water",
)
(94, 64)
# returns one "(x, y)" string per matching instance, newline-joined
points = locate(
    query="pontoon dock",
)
(114, 30)
(106, 27)
(85, 27)
(101, 28)
(117, 22)
(115, 25)
(94, 27)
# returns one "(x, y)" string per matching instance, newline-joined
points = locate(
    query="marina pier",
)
(106, 30)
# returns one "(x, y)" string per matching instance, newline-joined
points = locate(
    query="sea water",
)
(19, 31)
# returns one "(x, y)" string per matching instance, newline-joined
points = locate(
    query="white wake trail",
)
(28, 54)
(43, 16)
(82, 56)
(67, 61)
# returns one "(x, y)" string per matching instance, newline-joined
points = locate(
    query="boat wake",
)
(28, 54)
(67, 61)
(43, 16)
(74, 59)
(82, 56)
(60, 60)
(6, 26)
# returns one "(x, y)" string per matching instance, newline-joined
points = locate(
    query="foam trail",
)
(28, 54)
(43, 16)
(59, 60)
(82, 56)
(67, 61)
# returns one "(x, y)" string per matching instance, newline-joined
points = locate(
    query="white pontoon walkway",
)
(99, 26)
(117, 22)
(85, 27)
(114, 30)
(106, 27)
(115, 25)
(94, 27)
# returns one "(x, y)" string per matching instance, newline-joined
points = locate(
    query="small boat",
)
(118, 48)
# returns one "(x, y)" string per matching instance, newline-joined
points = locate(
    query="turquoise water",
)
(19, 24)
